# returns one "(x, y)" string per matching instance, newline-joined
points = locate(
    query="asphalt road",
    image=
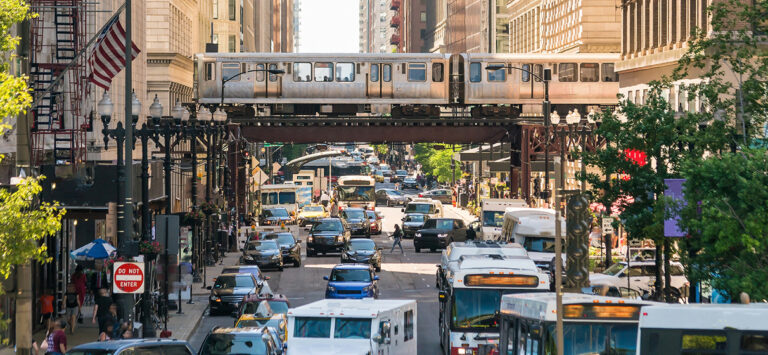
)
(409, 276)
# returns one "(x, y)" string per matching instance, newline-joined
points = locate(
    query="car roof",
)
(230, 330)
(122, 343)
(352, 267)
(236, 274)
(328, 219)
(266, 297)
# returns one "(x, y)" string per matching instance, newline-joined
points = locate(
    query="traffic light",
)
(536, 187)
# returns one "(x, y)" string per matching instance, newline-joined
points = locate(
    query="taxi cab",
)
(264, 317)
(311, 213)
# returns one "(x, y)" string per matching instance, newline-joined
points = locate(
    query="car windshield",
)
(313, 209)
(245, 343)
(271, 322)
(352, 328)
(539, 244)
(351, 275)
(356, 193)
(278, 306)
(493, 218)
(362, 244)
(415, 218)
(401, 172)
(590, 338)
(477, 308)
(233, 281)
(439, 224)
(262, 245)
(328, 226)
(394, 193)
(277, 212)
(253, 270)
(354, 214)
(615, 269)
(418, 208)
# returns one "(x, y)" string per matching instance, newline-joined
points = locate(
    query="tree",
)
(436, 162)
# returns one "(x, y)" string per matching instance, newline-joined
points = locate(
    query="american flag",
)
(108, 56)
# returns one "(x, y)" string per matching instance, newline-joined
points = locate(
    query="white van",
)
(534, 229)
(492, 217)
(427, 206)
(354, 327)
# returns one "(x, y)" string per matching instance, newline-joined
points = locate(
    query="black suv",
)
(229, 290)
(327, 235)
(362, 251)
(264, 253)
(439, 233)
(357, 221)
(289, 246)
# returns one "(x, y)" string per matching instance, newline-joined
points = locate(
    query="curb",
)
(197, 324)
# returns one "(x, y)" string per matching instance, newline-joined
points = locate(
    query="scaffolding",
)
(59, 122)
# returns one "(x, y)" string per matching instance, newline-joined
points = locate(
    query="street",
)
(409, 276)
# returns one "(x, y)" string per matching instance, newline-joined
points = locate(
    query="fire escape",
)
(59, 122)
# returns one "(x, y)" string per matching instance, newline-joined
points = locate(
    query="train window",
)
(590, 72)
(608, 74)
(273, 77)
(302, 72)
(386, 74)
(230, 71)
(437, 72)
(538, 69)
(324, 71)
(209, 72)
(345, 72)
(259, 74)
(475, 72)
(417, 71)
(497, 75)
(526, 75)
(568, 72)
(374, 73)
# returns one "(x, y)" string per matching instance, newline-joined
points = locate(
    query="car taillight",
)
(421, 195)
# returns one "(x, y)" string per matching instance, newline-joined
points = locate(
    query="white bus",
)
(534, 229)
(356, 191)
(723, 329)
(591, 324)
(279, 195)
(471, 294)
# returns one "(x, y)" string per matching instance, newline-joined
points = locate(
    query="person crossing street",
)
(398, 236)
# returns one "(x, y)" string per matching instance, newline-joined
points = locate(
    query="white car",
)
(642, 275)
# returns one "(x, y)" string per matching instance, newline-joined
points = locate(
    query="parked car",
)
(390, 197)
(412, 222)
(375, 221)
(229, 290)
(357, 221)
(133, 346)
(327, 235)
(439, 233)
(290, 247)
(250, 340)
(254, 270)
(277, 302)
(275, 216)
(352, 281)
(311, 213)
(641, 276)
(264, 253)
(442, 195)
(362, 251)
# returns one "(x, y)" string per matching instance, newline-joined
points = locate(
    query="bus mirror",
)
(443, 296)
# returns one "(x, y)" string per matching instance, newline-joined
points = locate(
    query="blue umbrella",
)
(97, 249)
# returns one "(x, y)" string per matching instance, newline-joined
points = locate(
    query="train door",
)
(530, 84)
(456, 68)
(266, 85)
(380, 80)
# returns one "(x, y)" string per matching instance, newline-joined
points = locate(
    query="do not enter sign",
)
(128, 277)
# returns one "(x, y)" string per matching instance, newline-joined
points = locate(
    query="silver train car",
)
(403, 84)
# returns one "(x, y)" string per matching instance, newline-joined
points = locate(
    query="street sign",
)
(128, 277)
(607, 225)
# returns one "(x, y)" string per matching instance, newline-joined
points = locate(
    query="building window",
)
(590, 72)
(215, 10)
(475, 72)
(302, 72)
(437, 72)
(499, 74)
(232, 43)
(345, 72)
(417, 71)
(608, 74)
(324, 71)
(232, 10)
(568, 72)
(423, 16)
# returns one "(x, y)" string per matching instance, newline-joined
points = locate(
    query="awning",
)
(499, 150)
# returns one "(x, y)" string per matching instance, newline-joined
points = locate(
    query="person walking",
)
(398, 236)
(73, 303)
(57, 339)
(334, 209)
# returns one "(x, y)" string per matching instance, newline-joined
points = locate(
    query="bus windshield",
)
(589, 338)
(277, 198)
(539, 244)
(477, 308)
(356, 193)
(493, 218)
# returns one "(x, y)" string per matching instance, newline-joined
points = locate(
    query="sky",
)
(328, 26)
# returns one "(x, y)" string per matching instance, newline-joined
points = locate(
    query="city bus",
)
(470, 295)
(591, 324)
(279, 195)
(356, 191)
(724, 329)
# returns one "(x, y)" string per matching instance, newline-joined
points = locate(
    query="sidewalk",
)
(182, 326)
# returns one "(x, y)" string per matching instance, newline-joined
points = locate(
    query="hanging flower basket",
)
(149, 249)
(209, 208)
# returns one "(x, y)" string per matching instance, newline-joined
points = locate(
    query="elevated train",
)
(404, 84)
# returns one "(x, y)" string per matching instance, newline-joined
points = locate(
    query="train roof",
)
(543, 305)
(545, 57)
(706, 316)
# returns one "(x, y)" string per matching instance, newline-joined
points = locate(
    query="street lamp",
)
(225, 80)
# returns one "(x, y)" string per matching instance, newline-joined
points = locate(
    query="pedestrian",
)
(101, 308)
(81, 283)
(471, 234)
(398, 237)
(46, 308)
(72, 301)
(126, 332)
(334, 209)
(57, 339)
(106, 334)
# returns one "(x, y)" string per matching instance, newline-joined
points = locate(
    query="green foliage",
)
(381, 149)
(727, 216)
(436, 162)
